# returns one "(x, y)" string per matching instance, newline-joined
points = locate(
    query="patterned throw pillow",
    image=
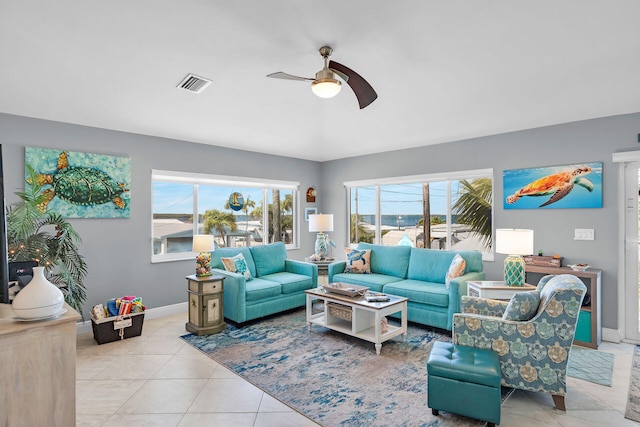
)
(237, 264)
(456, 269)
(358, 261)
(523, 306)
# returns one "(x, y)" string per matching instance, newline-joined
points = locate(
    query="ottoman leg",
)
(435, 412)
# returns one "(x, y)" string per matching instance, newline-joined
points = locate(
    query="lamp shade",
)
(321, 222)
(514, 241)
(203, 243)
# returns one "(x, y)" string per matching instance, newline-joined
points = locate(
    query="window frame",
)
(197, 179)
(447, 177)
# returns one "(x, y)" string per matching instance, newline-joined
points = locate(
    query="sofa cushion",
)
(269, 258)
(456, 269)
(373, 281)
(473, 260)
(290, 282)
(420, 292)
(259, 289)
(358, 261)
(522, 306)
(218, 254)
(390, 260)
(430, 265)
(237, 264)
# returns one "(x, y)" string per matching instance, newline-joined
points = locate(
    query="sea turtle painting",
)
(79, 185)
(557, 184)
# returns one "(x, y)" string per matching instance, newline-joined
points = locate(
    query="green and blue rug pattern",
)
(332, 378)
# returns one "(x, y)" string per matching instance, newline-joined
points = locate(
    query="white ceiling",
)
(443, 70)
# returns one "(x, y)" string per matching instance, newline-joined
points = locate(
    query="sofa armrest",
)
(484, 306)
(458, 288)
(304, 268)
(235, 292)
(335, 268)
(461, 281)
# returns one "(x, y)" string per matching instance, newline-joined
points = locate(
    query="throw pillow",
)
(456, 269)
(523, 306)
(358, 261)
(237, 264)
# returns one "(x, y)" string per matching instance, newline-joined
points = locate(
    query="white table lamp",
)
(320, 223)
(203, 243)
(515, 243)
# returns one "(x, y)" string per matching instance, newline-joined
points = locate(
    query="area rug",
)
(332, 378)
(591, 365)
(633, 400)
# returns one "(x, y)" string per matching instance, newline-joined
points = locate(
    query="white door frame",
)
(623, 159)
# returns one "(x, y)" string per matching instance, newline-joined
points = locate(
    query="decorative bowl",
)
(578, 267)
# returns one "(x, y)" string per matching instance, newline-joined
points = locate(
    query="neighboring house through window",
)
(235, 210)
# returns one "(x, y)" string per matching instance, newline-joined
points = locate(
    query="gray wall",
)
(118, 251)
(579, 142)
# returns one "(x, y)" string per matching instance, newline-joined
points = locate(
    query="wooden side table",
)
(323, 269)
(589, 327)
(495, 289)
(206, 304)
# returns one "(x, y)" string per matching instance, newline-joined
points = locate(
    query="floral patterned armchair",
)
(533, 353)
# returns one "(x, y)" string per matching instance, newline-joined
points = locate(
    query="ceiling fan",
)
(325, 84)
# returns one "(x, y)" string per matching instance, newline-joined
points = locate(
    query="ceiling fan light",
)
(326, 88)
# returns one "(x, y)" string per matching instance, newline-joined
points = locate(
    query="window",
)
(449, 211)
(185, 204)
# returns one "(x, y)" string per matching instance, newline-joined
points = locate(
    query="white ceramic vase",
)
(39, 299)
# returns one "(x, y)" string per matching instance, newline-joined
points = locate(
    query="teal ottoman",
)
(464, 381)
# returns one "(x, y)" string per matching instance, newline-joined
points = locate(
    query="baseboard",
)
(151, 313)
(611, 335)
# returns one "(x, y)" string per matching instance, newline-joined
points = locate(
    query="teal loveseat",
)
(417, 274)
(277, 283)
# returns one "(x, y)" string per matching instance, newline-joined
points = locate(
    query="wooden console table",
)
(38, 371)
(589, 328)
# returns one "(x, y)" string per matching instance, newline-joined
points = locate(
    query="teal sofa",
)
(417, 274)
(277, 283)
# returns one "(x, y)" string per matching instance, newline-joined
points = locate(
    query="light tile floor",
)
(158, 380)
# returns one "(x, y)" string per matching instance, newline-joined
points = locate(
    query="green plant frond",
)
(74, 292)
(21, 222)
(473, 207)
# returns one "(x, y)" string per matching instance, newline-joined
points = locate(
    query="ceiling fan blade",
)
(281, 75)
(363, 90)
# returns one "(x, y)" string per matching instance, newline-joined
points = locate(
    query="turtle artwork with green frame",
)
(80, 185)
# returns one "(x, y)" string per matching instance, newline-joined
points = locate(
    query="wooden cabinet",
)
(589, 328)
(38, 370)
(206, 304)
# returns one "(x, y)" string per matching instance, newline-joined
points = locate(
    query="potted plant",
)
(49, 239)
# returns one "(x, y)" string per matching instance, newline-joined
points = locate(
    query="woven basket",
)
(340, 311)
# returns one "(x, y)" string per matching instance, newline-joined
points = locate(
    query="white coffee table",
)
(366, 316)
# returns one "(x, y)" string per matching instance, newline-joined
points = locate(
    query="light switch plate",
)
(584, 234)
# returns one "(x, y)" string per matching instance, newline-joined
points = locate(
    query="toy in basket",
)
(122, 318)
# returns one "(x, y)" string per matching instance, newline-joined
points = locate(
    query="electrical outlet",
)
(584, 234)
